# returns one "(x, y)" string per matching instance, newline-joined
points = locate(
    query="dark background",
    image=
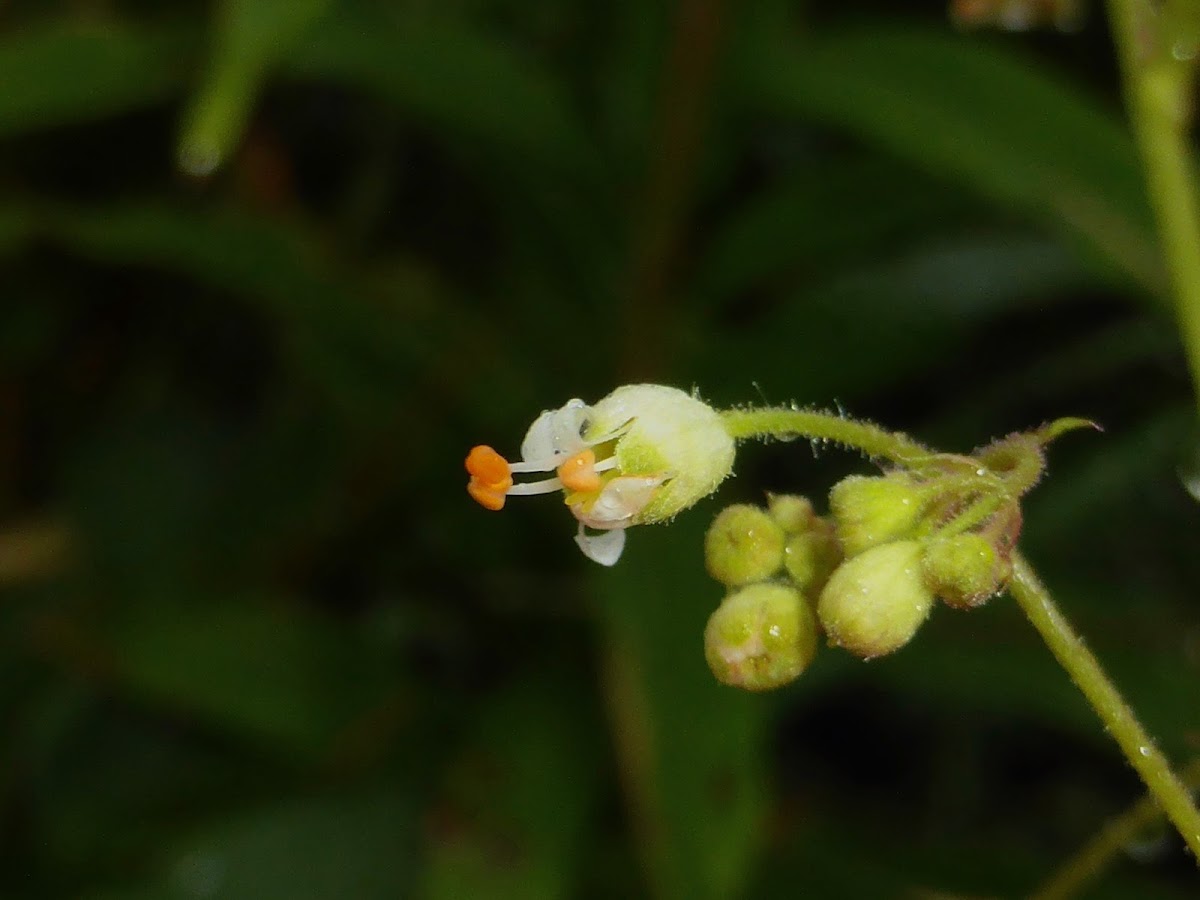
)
(272, 266)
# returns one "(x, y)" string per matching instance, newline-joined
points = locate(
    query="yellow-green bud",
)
(793, 513)
(811, 556)
(761, 637)
(873, 511)
(668, 432)
(744, 544)
(965, 570)
(875, 602)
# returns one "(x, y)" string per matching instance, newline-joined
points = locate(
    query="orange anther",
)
(490, 477)
(579, 473)
(487, 467)
(485, 496)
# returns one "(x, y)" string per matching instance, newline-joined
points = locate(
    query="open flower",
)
(642, 454)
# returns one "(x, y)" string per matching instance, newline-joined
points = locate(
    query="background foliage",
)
(272, 266)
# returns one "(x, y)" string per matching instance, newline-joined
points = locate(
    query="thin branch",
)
(1092, 859)
(1118, 718)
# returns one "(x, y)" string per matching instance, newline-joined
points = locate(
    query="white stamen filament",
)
(538, 465)
(549, 465)
(547, 486)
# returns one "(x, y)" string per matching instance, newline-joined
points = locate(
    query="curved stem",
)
(1018, 459)
(1091, 859)
(784, 423)
(1119, 720)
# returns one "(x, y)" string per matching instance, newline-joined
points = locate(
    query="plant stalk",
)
(785, 423)
(1118, 718)
(1157, 92)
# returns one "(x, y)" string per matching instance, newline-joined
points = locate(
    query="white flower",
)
(640, 455)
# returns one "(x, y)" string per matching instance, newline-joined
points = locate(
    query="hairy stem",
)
(1119, 720)
(786, 423)
(1091, 859)
(1157, 90)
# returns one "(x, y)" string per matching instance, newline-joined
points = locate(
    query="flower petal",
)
(618, 502)
(568, 426)
(604, 548)
(539, 439)
(554, 432)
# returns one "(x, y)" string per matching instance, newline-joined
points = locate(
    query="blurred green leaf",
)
(60, 73)
(1122, 469)
(357, 345)
(249, 37)
(1065, 370)
(629, 79)
(26, 331)
(270, 674)
(514, 823)
(691, 750)
(110, 783)
(139, 493)
(458, 78)
(358, 845)
(825, 216)
(893, 317)
(969, 111)
(842, 856)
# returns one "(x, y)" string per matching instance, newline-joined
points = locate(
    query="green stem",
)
(1018, 460)
(973, 515)
(1090, 861)
(1119, 720)
(1157, 94)
(785, 423)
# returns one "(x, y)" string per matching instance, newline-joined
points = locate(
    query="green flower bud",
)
(965, 570)
(793, 513)
(874, 603)
(811, 556)
(874, 511)
(761, 637)
(665, 432)
(744, 544)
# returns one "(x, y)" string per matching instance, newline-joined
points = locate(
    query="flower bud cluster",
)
(868, 575)
(773, 561)
(945, 531)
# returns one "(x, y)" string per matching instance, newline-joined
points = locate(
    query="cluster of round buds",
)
(869, 573)
(942, 530)
(772, 561)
